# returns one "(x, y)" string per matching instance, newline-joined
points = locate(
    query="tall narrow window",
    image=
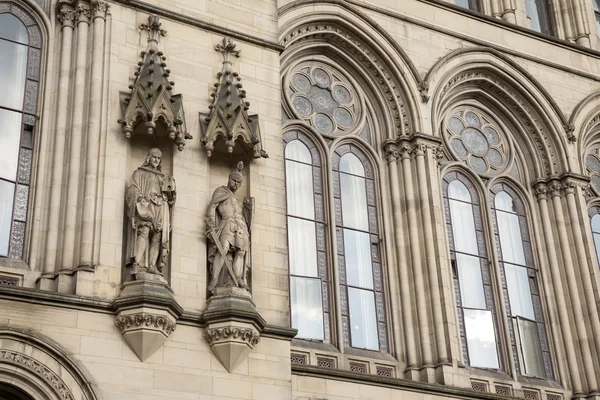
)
(538, 12)
(361, 286)
(469, 4)
(471, 274)
(20, 42)
(595, 216)
(306, 239)
(596, 4)
(521, 293)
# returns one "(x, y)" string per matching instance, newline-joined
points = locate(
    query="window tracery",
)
(20, 43)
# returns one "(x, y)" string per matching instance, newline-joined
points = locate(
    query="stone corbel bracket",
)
(146, 315)
(232, 327)
(151, 101)
(227, 127)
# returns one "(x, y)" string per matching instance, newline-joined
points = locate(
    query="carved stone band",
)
(145, 320)
(216, 335)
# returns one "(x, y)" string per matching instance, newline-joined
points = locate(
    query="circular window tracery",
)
(478, 141)
(325, 98)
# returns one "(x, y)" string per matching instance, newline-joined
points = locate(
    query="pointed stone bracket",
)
(146, 315)
(151, 107)
(232, 326)
(228, 128)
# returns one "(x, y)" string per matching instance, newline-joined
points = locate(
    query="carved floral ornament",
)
(140, 320)
(81, 11)
(151, 101)
(247, 335)
(227, 127)
(369, 60)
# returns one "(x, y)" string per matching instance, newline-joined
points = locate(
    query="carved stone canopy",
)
(227, 127)
(151, 101)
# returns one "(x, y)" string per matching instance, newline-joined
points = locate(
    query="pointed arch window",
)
(538, 12)
(471, 273)
(594, 213)
(309, 292)
(20, 45)
(519, 284)
(361, 286)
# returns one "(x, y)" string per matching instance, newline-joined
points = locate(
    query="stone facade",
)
(382, 80)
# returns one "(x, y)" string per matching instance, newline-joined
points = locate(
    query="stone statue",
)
(228, 223)
(150, 198)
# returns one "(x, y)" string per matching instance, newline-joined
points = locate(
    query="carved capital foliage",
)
(66, 15)
(405, 151)
(100, 9)
(228, 127)
(145, 320)
(391, 152)
(419, 148)
(21, 360)
(84, 13)
(216, 335)
(555, 188)
(541, 191)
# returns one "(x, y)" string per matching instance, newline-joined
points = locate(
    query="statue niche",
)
(149, 201)
(228, 222)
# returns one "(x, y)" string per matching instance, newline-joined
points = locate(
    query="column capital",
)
(84, 13)
(99, 9)
(405, 151)
(391, 152)
(541, 191)
(66, 15)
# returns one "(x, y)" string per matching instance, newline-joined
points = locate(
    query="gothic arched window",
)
(471, 273)
(594, 214)
(306, 238)
(519, 284)
(20, 46)
(361, 285)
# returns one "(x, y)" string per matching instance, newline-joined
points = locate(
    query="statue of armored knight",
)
(228, 222)
(150, 198)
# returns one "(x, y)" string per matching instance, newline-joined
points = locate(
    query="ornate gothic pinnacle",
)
(227, 49)
(153, 28)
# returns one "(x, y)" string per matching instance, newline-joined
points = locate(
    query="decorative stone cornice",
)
(151, 101)
(66, 15)
(217, 335)
(100, 9)
(21, 360)
(84, 13)
(227, 127)
(142, 319)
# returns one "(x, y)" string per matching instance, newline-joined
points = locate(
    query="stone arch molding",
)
(342, 31)
(542, 131)
(585, 120)
(40, 368)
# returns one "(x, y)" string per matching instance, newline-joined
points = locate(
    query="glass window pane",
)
(596, 223)
(510, 237)
(457, 190)
(481, 339)
(596, 5)
(597, 243)
(351, 164)
(307, 307)
(597, 15)
(504, 202)
(531, 349)
(297, 151)
(7, 191)
(536, 12)
(354, 202)
(12, 28)
(13, 70)
(359, 270)
(463, 227)
(299, 189)
(10, 133)
(519, 294)
(363, 320)
(471, 283)
(302, 247)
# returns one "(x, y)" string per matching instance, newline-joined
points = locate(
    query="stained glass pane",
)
(13, 70)
(471, 284)
(481, 339)
(363, 319)
(519, 293)
(299, 189)
(7, 192)
(307, 307)
(530, 348)
(302, 247)
(12, 28)
(354, 202)
(359, 270)
(10, 133)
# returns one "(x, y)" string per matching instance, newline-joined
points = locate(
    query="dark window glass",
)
(469, 4)
(538, 12)
(596, 4)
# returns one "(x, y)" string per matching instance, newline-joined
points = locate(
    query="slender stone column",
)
(572, 284)
(434, 287)
(508, 13)
(72, 200)
(559, 294)
(66, 16)
(588, 291)
(392, 154)
(99, 10)
(583, 32)
(565, 15)
(415, 251)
